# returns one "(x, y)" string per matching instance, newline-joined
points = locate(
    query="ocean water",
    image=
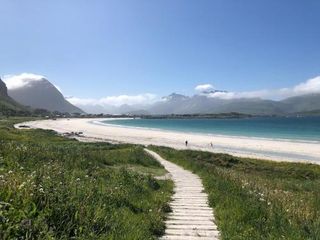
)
(290, 128)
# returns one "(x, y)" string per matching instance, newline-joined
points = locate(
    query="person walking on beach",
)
(186, 143)
(211, 145)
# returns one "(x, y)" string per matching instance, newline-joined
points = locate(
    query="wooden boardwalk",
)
(191, 216)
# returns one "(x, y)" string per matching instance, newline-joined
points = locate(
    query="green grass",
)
(57, 188)
(8, 107)
(256, 199)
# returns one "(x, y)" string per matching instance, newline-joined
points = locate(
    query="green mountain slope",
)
(7, 105)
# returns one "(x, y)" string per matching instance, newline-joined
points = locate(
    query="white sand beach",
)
(278, 150)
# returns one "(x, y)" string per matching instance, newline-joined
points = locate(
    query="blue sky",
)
(94, 49)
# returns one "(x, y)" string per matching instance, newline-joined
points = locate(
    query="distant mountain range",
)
(42, 94)
(205, 104)
(180, 104)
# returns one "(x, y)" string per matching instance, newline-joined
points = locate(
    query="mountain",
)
(175, 97)
(255, 106)
(213, 92)
(7, 105)
(170, 104)
(3, 89)
(108, 109)
(303, 103)
(204, 104)
(96, 109)
(44, 95)
(138, 112)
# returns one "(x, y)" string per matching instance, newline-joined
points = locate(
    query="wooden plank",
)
(191, 216)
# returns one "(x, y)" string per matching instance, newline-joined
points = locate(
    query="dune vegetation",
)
(57, 188)
(256, 199)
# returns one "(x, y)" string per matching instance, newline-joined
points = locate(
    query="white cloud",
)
(309, 86)
(312, 85)
(203, 87)
(142, 99)
(21, 80)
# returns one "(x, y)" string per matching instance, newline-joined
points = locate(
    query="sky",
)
(144, 49)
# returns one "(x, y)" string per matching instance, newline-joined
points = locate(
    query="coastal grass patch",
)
(256, 199)
(57, 188)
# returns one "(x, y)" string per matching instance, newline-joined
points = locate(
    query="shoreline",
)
(200, 133)
(269, 149)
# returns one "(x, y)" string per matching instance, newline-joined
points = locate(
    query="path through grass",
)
(256, 199)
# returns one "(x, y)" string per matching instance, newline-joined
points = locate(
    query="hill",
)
(42, 94)
(303, 103)
(7, 105)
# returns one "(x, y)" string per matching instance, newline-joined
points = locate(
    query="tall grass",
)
(257, 199)
(54, 188)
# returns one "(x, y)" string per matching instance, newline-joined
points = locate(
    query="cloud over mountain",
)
(143, 99)
(309, 86)
(24, 80)
(203, 87)
(121, 103)
(21, 80)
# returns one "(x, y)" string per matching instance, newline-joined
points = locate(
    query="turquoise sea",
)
(290, 128)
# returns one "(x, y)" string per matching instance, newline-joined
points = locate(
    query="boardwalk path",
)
(191, 217)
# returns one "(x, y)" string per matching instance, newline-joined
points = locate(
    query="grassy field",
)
(55, 188)
(256, 199)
